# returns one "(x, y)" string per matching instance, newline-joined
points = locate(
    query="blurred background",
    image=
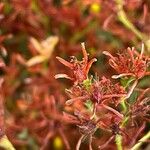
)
(32, 34)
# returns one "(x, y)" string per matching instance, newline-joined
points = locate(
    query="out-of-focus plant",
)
(105, 108)
(127, 23)
(4, 141)
(44, 48)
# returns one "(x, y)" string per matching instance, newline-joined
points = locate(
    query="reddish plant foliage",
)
(38, 113)
(103, 93)
(80, 69)
(130, 63)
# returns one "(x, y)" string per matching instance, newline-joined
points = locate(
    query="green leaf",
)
(125, 82)
(87, 83)
(24, 134)
(124, 122)
(118, 141)
(133, 97)
(109, 37)
(89, 105)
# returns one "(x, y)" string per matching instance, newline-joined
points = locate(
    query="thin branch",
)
(131, 90)
(64, 138)
(114, 111)
(70, 101)
(105, 144)
(128, 24)
(138, 133)
(141, 141)
(118, 140)
(90, 143)
(79, 142)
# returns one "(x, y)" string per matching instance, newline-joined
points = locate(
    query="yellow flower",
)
(58, 144)
(95, 8)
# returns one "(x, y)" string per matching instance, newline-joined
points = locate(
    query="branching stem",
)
(140, 142)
